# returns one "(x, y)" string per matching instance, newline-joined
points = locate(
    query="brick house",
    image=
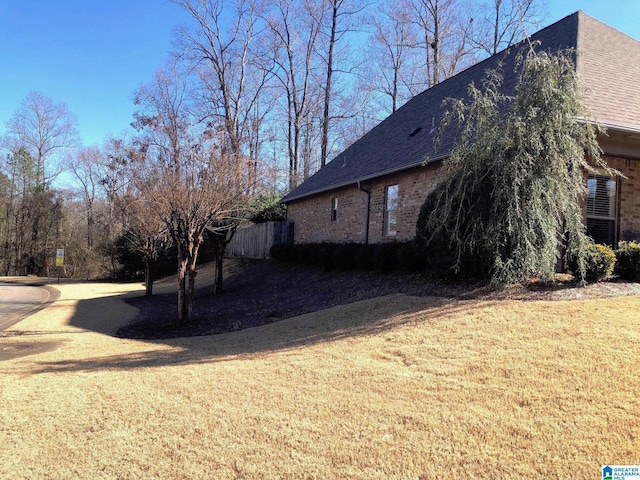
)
(372, 191)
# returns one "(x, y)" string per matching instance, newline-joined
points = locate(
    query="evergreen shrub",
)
(364, 257)
(385, 256)
(282, 252)
(325, 255)
(344, 256)
(600, 261)
(409, 258)
(267, 208)
(628, 261)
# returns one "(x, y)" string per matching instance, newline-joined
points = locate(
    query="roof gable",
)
(608, 65)
(405, 139)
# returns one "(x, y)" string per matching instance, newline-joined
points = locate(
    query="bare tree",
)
(45, 129)
(390, 66)
(294, 34)
(85, 168)
(193, 182)
(144, 230)
(114, 168)
(505, 22)
(444, 27)
(219, 46)
(338, 23)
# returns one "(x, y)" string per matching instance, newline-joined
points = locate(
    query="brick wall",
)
(629, 197)
(312, 215)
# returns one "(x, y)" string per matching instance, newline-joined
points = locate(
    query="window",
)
(334, 209)
(390, 210)
(601, 209)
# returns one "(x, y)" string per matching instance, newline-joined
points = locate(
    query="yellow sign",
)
(60, 257)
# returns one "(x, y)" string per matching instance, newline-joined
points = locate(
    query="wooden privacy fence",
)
(256, 241)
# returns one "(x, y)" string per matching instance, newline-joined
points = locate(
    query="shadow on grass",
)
(364, 318)
(263, 293)
(267, 307)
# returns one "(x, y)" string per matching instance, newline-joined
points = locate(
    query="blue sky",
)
(623, 15)
(89, 54)
(93, 54)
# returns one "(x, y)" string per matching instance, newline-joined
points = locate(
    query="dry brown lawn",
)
(396, 387)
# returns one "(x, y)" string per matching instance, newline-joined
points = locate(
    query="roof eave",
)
(288, 198)
(621, 128)
(625, 129)
(609, 125)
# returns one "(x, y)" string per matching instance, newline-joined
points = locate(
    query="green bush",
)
(309, 254)
(344, 256)
(385, 256)
(267, 208)
(364, 257)
(628, 261)
(409, 258)
(349, 256)
(435, 248)
(325, 255)
(600, 261)
(282, 252)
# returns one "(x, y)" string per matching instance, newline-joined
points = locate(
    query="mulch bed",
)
(264, 292)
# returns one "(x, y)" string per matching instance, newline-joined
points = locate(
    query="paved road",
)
(19, 301)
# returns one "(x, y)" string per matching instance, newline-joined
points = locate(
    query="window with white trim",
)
(602, 211)
(334, 209)
(390, 210)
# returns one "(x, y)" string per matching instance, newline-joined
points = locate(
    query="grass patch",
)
(395, 387)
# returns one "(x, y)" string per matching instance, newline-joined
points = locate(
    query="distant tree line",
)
(299, 80)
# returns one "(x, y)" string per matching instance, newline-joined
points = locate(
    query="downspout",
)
(366, 229)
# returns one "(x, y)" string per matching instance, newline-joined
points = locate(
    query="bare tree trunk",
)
(496, 28)
(7, 258)
(187, 260)
(217, 280)
(191, 286)
(335, 5)
(295, 34)
(394, 94)
(435, 44)
(148, 277)
(183, 311)
(221, 240)
(90, 226)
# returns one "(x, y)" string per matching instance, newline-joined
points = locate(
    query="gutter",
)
(368, 214)
(612, 126)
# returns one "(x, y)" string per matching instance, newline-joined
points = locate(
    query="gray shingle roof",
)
(609, 67)
(608, 64)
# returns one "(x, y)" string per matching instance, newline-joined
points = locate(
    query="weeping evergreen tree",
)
(511, 197)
